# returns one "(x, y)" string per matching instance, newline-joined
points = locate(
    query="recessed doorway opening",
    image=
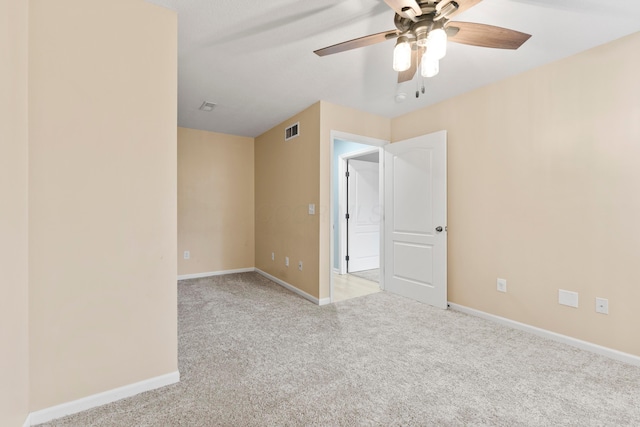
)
(356, 217)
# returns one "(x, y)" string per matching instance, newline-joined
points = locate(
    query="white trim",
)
(574, 342)
(73, 407)
(215, 273)
(360, 139)
(292, 288)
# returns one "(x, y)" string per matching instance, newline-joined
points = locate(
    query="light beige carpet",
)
(253, 354)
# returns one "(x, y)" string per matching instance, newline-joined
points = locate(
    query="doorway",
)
(356, 217)
(413, 231)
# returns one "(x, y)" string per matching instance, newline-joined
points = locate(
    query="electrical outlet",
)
(286, 261)
(187, 255)
(602, 305)
(300, 265)
(273, 256)
(312, 209)
(501, 285)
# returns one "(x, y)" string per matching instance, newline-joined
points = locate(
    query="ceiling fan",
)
(422, 30)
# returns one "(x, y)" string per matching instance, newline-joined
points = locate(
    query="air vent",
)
(292, 131)
(207, 106)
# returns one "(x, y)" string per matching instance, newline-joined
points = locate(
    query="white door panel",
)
(415, 205)
(405, 267)
(364, 216)
(412, 210)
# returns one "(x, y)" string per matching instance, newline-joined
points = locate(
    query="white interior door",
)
(364, 216)
(415, 188)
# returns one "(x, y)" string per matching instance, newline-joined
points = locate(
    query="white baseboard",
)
(48, 414)
(292, 288)
(574, 342)
(282, 283)
(215, 273)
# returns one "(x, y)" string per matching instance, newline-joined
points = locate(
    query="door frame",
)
(360, 139)
(343, 201)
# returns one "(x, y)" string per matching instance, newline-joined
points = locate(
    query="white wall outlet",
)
(187, 255)
(602, 305)
(286, 261)
(312, 209)
(501, 285)
(273, 256)
(568, 298)
(300, 265)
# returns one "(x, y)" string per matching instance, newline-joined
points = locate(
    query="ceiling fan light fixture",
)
(430, 66)
(437, 43)
(420, 29)
(402, 55)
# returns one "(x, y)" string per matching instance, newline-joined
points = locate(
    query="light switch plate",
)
(312, 209)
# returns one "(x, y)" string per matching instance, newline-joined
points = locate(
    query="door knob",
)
(439, 229)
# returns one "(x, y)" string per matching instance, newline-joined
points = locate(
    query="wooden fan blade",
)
(462, 6)
(416, 60)
(401, 6)
(483, 35)
(356, 43)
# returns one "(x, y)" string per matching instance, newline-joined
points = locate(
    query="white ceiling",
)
(255, 60)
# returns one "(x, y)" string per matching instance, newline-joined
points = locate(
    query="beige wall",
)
(215, 201)
(343, 119)
(543, 191)
(102, 196)
(292, 174)
(286, 182)
(14, 356)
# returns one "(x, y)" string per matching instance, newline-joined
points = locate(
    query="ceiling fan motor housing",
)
(432, 15)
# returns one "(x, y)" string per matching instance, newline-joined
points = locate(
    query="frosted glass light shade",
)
(430, 66)
(437, 43)
(402, 56)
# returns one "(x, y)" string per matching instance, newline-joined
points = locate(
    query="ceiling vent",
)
(292, 131)
(207, 106)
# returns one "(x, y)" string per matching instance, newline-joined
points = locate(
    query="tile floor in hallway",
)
(347, 286)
